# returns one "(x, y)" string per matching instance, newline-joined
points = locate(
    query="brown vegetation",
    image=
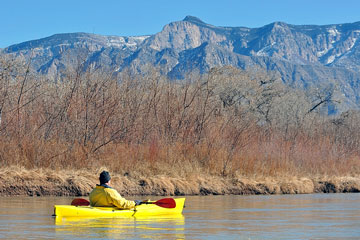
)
(226, 125)
(40, 182)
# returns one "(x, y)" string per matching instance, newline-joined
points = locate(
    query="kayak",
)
(147, 209)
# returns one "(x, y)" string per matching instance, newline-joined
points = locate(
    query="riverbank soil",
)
(40, 182)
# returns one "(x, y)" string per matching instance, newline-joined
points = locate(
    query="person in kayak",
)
(105, 196)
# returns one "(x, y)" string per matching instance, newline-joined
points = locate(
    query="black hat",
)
(104, 177)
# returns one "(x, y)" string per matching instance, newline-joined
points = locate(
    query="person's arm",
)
(118, 201)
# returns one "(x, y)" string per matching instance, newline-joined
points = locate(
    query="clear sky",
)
(23, 20)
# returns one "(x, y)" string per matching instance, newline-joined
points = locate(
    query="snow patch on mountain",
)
(333, 32)
(265, 50)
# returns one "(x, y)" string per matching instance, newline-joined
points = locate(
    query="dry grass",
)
(38, 182)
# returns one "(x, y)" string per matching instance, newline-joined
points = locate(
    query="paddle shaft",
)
(165, 202)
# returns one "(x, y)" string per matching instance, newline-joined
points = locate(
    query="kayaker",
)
(105, 196)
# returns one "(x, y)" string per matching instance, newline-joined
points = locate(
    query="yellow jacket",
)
(102, 196)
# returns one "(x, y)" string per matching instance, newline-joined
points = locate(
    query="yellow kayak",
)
(147, 209)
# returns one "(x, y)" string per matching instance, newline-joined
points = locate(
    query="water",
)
(313, 216)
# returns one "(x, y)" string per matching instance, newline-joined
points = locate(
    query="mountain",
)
(303, 54)
(52, 54)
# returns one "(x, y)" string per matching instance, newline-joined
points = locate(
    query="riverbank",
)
(19, 181)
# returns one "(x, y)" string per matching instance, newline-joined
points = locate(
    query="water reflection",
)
(315, 216)
(162, 227)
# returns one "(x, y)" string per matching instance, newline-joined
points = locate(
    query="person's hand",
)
(137, 202)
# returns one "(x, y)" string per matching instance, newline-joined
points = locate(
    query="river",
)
(312, 216)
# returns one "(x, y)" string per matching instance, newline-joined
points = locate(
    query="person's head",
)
(104, 177)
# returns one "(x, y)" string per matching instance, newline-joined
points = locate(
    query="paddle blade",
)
(166, 203)
(80, 202)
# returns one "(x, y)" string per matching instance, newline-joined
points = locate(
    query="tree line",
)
(225, 122)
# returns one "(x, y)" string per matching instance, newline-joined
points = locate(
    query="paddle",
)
(80, 202)
(165, 202)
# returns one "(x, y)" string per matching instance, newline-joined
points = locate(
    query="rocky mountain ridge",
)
(303, 54)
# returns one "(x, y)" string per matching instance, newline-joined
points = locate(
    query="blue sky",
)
(23, 20)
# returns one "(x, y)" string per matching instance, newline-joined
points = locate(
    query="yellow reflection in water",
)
(161, 227)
